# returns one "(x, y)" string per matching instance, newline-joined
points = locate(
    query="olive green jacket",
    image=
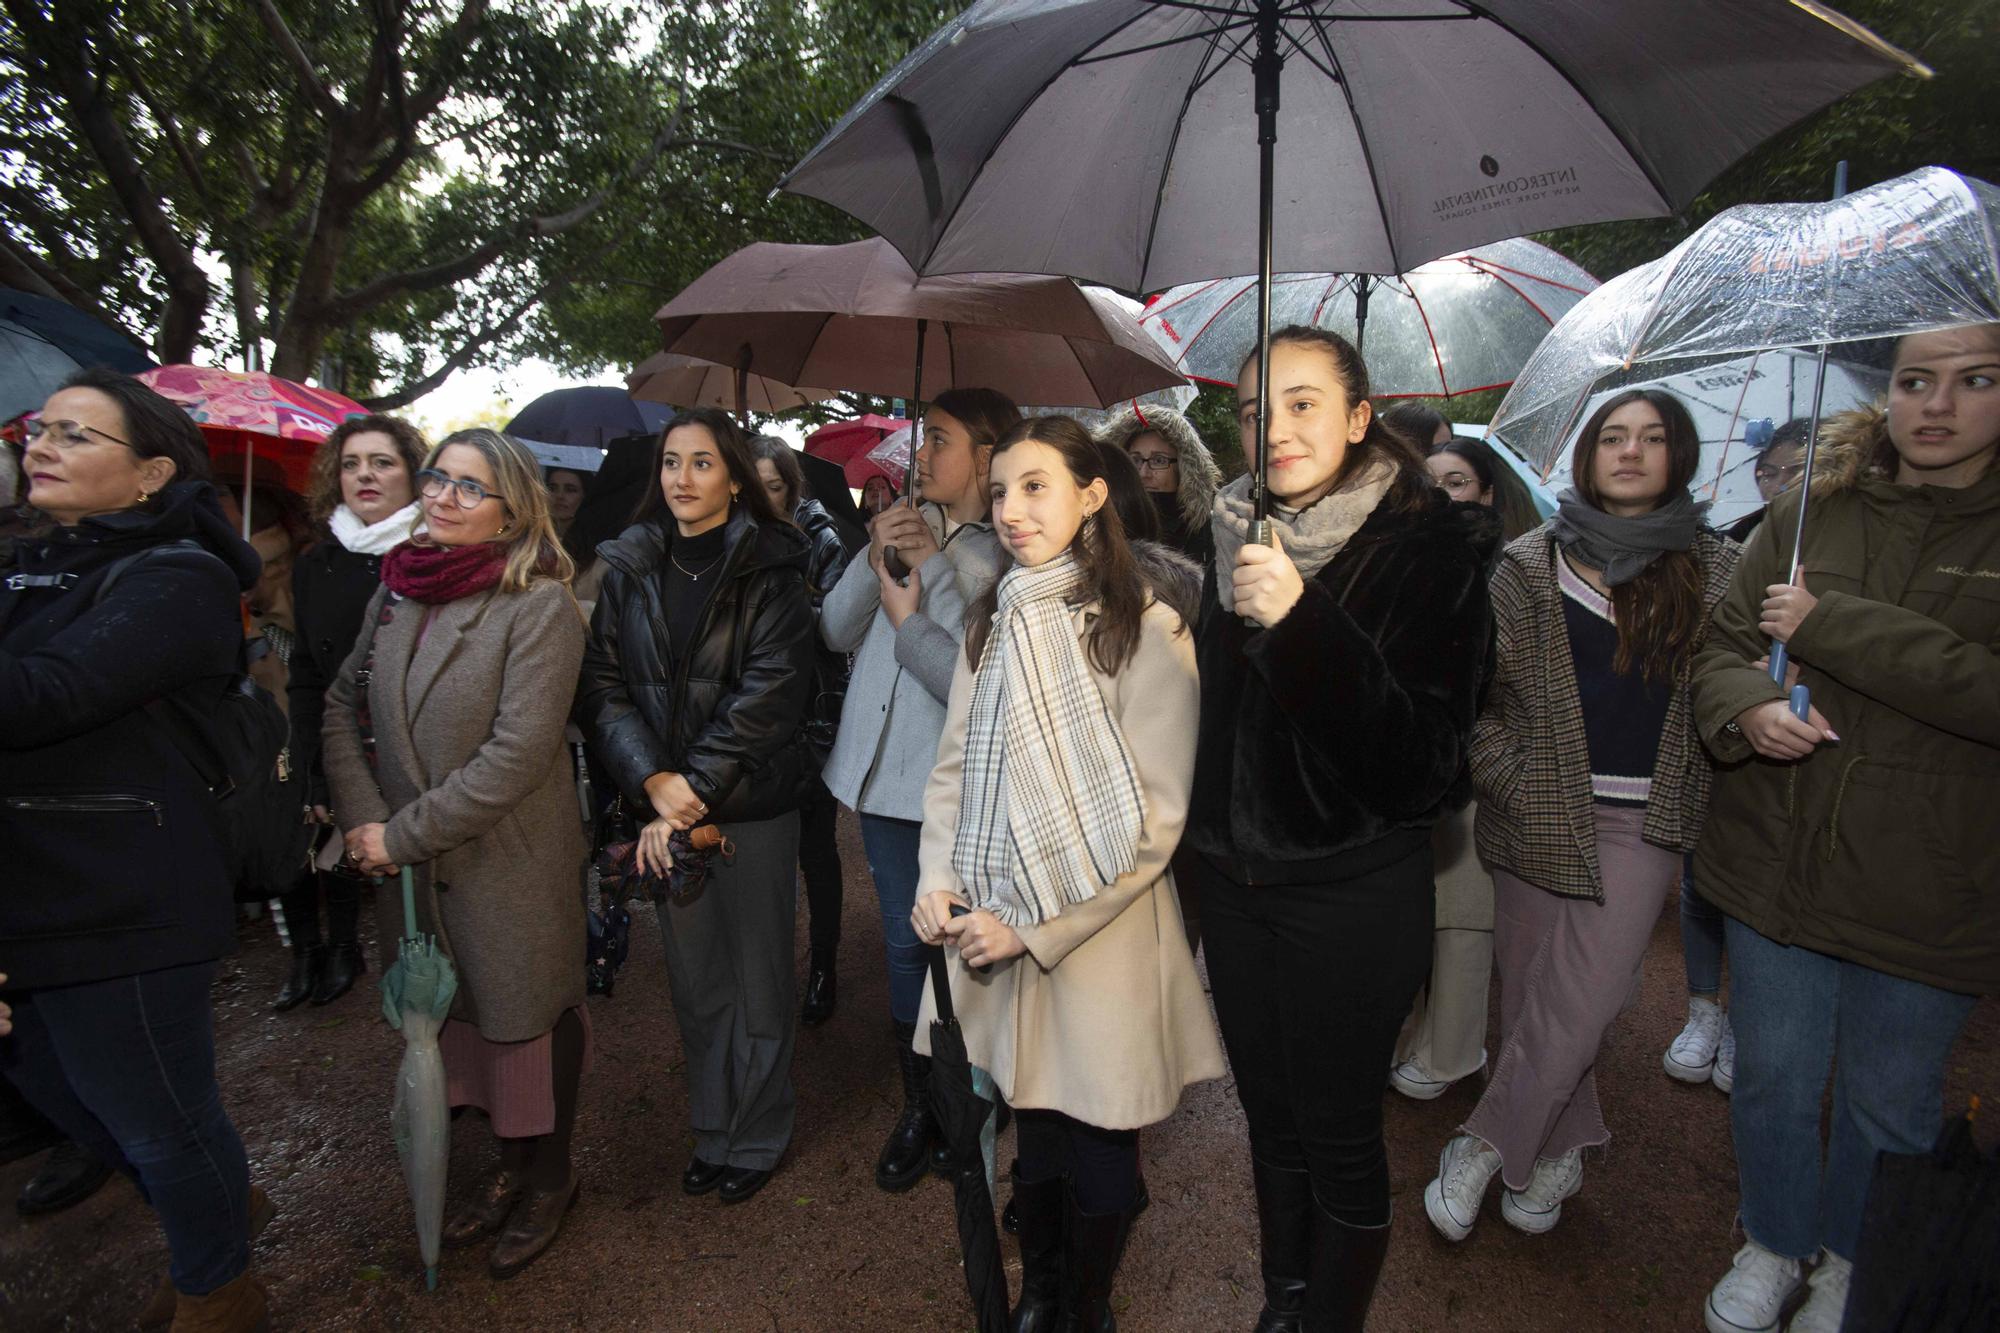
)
(1880, 848)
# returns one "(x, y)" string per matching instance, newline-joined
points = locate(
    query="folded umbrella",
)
(962, 1113)
(1929, 1232)
(417, 991)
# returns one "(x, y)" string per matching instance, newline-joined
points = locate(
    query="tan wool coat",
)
(474, 784)
(1103, 1018)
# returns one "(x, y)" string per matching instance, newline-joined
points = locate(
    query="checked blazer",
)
(1530, 758)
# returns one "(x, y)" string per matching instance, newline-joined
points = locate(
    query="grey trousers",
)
(729, 967)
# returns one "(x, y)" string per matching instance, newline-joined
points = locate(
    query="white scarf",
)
(1312, 536)
(374, 538)
(1050, 810)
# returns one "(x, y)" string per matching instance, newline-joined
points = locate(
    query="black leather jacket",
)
(727, 716)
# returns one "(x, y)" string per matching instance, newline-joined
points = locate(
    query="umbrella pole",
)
(890, 560)
(249, 471)
(1801, 700)
(1361, 314)
(1266, 68)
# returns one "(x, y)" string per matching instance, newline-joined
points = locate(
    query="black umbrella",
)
(961, 1115)
(588, 414)
(1928, 1237)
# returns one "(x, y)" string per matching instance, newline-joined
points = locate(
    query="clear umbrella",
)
(417, 991)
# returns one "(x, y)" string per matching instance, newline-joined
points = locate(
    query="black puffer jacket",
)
(1348, 720)
(728, 716)
(829, 558)
(331, 586)
(113, 866)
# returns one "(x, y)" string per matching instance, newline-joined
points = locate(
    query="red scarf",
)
(435, 575)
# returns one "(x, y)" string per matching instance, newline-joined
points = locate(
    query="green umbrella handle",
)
(409, 904)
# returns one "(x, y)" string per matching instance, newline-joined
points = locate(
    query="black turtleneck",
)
(693, 565)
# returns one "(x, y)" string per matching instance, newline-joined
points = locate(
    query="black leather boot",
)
(906, 1156)
(70, 1175)
(822, 989)
(1284, 1225)
(344, 966)
(1039, 1205)
(308, 962)
(1346, 1260)
(1093, 1243)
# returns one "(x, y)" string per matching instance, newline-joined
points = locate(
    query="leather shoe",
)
(532, 1229)
(485, 1212)
(70, 1175)
(740, 1182)
(822, 989)
(307, 965)
(344, 965)
(701, 1177)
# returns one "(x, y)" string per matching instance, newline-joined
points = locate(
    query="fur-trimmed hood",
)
(1199, 475)
(1174, 579)
(1851, 443)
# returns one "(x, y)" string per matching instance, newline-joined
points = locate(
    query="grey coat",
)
(894, 713)
(473, 782)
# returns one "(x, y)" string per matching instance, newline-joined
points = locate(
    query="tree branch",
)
(457, 41)
(463, 356)
(317, 93)
(733, 146)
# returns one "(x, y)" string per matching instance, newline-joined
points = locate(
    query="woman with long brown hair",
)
(1592, 787)
(1059, 794)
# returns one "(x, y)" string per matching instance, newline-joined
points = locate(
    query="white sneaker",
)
(1539, 1207)
(1692, 1055)
(1723, 1075)
(1827, 1305)
(1465, 1168)
(1415, 1080)
(1752, 1294)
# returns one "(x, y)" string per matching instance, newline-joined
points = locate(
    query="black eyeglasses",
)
(468, 494)
(66, 434)
(1153, 462)
(1769, 473)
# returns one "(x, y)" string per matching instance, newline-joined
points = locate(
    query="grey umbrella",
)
(1110, 139)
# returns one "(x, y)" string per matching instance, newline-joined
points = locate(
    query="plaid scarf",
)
(1050, 810)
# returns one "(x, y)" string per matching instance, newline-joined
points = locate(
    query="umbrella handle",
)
(409, 904)
(941, 986)
(1801, 700)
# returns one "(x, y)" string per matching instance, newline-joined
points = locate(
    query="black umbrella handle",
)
(941, 987)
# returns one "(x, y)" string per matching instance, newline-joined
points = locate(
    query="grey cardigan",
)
(894, 714)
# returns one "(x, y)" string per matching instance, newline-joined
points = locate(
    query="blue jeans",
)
(1701, 937)
(126, 1068)
(891, 845)
(1795, 1013)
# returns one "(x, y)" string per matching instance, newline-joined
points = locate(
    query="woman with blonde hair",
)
(444, 751)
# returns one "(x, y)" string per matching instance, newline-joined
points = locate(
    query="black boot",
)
(308, 963)
(71, 1174)
(1284, 1225)
(907, 1153)
(1093, 1243)
(1039, 1204)
(821, 990)
(1346, 1260)
(344, 965)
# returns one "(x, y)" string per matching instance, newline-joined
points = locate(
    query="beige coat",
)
(474, 784)
(1103, 1018)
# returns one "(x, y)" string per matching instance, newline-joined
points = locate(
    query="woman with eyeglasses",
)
(1177, 470)
(1780, 466)
(443, 750)
(121, 616)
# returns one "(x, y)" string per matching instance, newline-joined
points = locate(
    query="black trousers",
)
(1312, 982)
(819, 864)
(1102, 1164)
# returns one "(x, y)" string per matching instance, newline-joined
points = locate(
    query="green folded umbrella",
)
(417, 990)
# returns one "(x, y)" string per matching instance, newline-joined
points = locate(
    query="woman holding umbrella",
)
(1059, 794)
(1852, 850)
(1591, 788)
(443, 749)
(1340, 670)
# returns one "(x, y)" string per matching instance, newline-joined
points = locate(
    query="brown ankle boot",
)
(532, 1229)
(235, 1307)
(160, 1309)
(485, 1212)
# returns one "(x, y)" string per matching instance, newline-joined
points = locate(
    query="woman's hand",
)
(929, 914)
(6, 1014)
(1266, 583)
(983, 939)
(1786, 605)
(903, 528)
(1775, 734)
(900, 600)
(653, 856)
(367, 852)
(674, 801)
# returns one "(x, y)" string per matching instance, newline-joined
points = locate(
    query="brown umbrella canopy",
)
(686, 381)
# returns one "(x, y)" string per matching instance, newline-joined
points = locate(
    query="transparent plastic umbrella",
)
(417, 990)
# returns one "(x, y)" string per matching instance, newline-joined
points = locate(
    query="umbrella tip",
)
(431, 1278)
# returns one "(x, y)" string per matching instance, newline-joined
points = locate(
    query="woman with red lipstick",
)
(694, 695)
(1059, 794)
(1857, 870)
(1592, 787)
(362, 496)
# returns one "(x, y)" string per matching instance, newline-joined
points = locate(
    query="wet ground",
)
(821, 1249)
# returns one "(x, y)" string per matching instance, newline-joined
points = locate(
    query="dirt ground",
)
(821, 1250)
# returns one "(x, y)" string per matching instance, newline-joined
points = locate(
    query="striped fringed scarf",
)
(1050, 810)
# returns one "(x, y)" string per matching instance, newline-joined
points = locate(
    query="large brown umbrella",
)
(686, 381)
(856, 317)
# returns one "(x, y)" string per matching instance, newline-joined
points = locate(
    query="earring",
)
(503, 528)
(144, 495)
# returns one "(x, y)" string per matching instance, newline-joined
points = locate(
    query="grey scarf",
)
(1624, 547)
(1312, 536)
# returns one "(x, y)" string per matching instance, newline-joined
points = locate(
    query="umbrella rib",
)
(1430, 336)
(1161, 45)
(1195, 85)
(1495, 268)
(1360, 135)
(1311, 59)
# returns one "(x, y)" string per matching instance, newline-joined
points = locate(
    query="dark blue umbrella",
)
(592, 415)
(43, 342)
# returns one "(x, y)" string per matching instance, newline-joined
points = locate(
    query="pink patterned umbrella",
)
(245, 412)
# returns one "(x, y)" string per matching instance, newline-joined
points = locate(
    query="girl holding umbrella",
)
(1852, 850)
(1340, 671)
(1058, 796)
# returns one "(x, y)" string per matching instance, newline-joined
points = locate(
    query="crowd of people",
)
(1089, 728)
